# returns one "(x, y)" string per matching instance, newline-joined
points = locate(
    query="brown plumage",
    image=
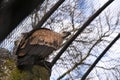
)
(37, 45)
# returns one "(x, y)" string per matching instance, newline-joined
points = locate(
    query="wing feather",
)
(46, 37)
(37, 46)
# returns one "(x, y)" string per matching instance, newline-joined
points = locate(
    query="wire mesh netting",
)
(84, 50)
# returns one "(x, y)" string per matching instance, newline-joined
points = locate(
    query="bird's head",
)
(65, 34)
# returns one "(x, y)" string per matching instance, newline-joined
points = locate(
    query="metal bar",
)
(99, 57)
(80, 31)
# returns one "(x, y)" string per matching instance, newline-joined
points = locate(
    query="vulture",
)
(37, 45)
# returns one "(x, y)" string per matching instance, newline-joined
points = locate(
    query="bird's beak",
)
(65, 34)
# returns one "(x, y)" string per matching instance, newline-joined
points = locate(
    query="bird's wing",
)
(40, 42)
(46, 37)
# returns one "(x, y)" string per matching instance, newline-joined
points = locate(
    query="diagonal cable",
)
(80, 31)
(99, 57)
(49, 13)
(46, 16)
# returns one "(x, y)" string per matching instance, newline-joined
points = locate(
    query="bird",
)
(35, 46)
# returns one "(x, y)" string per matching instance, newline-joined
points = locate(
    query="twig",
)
(80, 31)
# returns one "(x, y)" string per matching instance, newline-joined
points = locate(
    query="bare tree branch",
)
(80, 31)
(98, 59)
(49, 13)
(81, 61)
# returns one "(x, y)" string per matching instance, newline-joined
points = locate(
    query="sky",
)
(113, 53)
(114, 6)
(114, 9)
